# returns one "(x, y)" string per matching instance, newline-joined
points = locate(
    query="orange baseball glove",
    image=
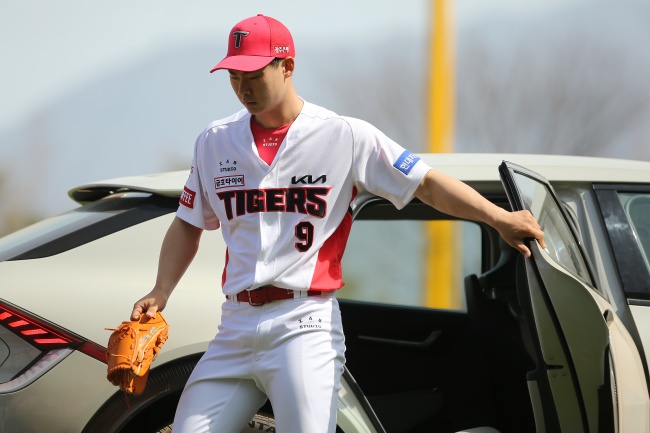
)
(131, 349)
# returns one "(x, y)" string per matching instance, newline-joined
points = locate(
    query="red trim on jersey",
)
(354, 193)
(328, 274)
(225, 266)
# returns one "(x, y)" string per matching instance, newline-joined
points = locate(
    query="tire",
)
(150, 411)
(259, 423)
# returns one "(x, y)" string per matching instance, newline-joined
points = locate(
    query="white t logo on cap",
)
(238, 36)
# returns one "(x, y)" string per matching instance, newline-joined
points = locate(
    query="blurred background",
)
(97, 90)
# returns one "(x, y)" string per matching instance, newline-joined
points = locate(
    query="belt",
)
(265, 294)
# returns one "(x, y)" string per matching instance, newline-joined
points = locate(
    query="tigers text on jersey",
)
(287, 224)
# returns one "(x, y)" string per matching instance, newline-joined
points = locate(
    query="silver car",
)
(447, 327)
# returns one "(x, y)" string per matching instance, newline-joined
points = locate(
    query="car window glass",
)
(637, 209)
(560, 241)
(386, 262)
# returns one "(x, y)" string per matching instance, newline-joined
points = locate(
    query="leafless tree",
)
(571, 84)
(569, 91)
(387, 91)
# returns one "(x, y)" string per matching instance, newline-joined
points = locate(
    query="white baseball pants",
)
(290, 350)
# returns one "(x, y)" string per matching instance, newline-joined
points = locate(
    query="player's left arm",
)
(453, 197)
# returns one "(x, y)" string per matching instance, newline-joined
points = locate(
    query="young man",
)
(278, 178)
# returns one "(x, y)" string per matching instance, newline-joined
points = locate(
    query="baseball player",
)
(277, 177)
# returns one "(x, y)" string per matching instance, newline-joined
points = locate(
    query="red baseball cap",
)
(254, 42)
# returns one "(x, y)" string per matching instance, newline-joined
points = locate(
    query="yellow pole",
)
(441, 265)
(441, 85)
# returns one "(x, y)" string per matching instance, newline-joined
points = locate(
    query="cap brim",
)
(243, 63)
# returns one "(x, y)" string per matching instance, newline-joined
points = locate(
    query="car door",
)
(414, 363)
(588, 374)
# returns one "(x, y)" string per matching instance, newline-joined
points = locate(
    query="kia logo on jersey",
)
(308, 179)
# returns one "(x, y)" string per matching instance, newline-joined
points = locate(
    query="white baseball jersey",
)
(287, 224)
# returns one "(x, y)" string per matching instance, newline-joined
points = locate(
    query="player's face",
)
(260, 91)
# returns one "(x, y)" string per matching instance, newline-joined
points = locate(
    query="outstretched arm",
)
(458, 199)
(177, 252)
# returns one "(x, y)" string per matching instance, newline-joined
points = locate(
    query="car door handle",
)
(399, 342)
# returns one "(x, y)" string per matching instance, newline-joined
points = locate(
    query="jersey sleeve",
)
(194, 206)
(383, 167)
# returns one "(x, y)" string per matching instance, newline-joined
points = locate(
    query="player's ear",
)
(288, 66)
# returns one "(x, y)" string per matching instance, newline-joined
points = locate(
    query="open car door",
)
(588, 374)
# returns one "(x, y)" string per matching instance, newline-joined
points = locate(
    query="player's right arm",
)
(453, 197)
(177, 252)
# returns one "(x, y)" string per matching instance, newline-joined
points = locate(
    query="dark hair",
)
(276, 62)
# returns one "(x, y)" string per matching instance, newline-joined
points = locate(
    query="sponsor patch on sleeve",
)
(187, 197)
(406, 161)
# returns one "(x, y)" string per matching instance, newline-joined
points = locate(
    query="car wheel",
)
(149, 412)
(259, 423)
